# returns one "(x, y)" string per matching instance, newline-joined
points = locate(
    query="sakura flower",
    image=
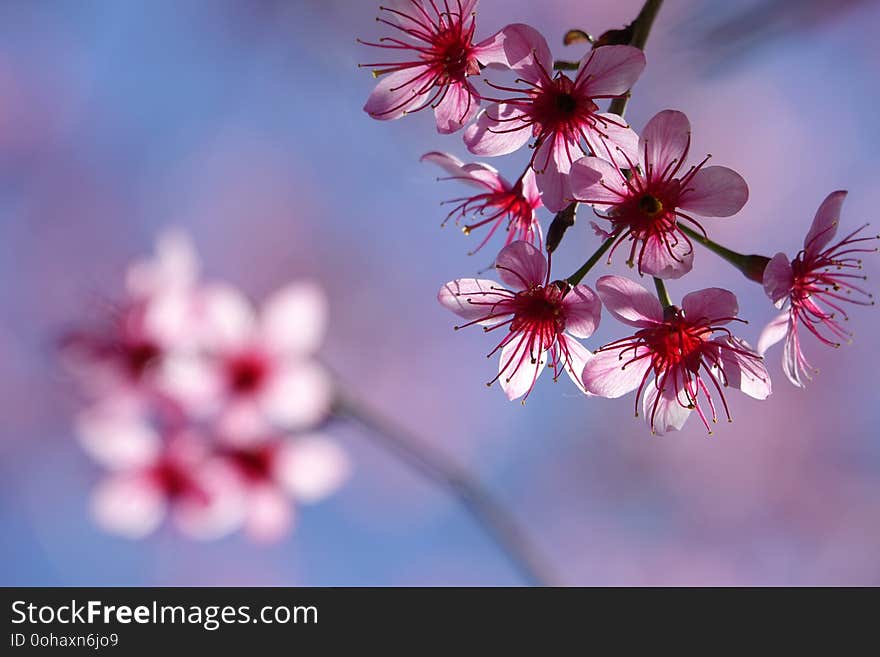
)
(813, 287)
(154, 476)
(688, 351)
(439, 38)
(255, 369)
(560, 113)
(542, 318)
(645, 203)
(120, 356)
(499, 202)
(275, 472)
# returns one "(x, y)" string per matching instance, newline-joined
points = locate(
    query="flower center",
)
(650, 205)
(246, 373)
(453, 54)
(566, 103)
(539, 309)
(255, 463)
(139, 356)
(676, 343)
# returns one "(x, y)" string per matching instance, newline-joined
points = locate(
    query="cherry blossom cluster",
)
(202, 407)
(650, 202)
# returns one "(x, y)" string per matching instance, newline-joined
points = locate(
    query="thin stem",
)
(578, 276)
(662, 292)
(641, 29)
(498, 523)
(752, 266)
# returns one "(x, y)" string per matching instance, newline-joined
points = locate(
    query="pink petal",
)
(519, 372)
(824, 225)
(775, 331)
(657, 260)
(583, 310)
(555, 190)
(520, 265)
(217, 511)
(609, 373)
(530, 189)
(459, 105)
(598, 181)
(665, 140)
(670, 414)
(712, 304)
(299, 396)
(578, 356)
(117, 437)
(312, 467)
(294, 319)
(175, 266)
(610, 70)
(519, 47)
(629, 302)
(128, 505)
(792, 356)
(473, 298)
(613, 140)
(477, 174)
(227, 318)
(748, 375)
(778, 279)
(397, 93)
(494, 133)
(269, 514)
(715, 192)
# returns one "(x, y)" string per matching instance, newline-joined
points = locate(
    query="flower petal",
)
(598, 182)
(397, 93)
(582, 310)
(712, 304)
(749, 375)
(477, 174)
(519, 47)
(458, 106)
(577, 357)
(778, 279)
(610, 372)
(629, 302)
(474, 298)
(312, 467)
(269, 514)
(669, 414)
(665, 140)
(519, 366)
(824, 225)
(294, 319)
(227, 317)
(775, 331)
(610, 70)
(117, 437)
(128, 505)
(520, 265)
(612, 140)
(495, 131)
(715, 192)
(666, 262)
(298, 396)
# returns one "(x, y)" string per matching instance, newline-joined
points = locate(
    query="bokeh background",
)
(240, 120)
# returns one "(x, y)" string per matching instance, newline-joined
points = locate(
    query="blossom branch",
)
(495, 520)
(640, 30)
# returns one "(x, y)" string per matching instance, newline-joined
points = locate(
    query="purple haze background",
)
(241, 122)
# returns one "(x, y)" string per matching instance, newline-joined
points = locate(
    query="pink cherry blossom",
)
(438, 34)
(255, 369)
(542, 318)
(155, 475)
(277, 471)
(645, 202)
(120, 355)
(688, 351)
(499, 202)
(813, 287)
(560, 113)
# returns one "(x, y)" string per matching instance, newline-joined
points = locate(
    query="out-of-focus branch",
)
(498, 523)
